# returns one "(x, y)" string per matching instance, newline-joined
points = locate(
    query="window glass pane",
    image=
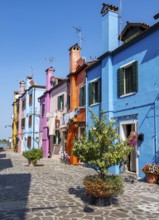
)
(128, 80)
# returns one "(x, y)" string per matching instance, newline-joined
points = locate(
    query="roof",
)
(131, 29)
(147, 32)
(107, 7)
(85, 65)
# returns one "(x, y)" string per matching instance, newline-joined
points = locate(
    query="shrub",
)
(33, 155)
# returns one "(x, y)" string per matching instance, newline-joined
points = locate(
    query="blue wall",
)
(142, 107)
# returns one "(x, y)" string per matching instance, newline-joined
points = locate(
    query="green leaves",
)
(105, 148)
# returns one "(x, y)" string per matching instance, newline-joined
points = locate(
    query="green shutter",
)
(68, 102)
(62, 97)
(80, 98)
(99, 91)
(135, 76)
(90, 94)
(84, 95)
(59, 139)
(54, 139)
(120, 82)
(59, 107)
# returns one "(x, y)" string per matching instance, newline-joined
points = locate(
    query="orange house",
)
(77, 122)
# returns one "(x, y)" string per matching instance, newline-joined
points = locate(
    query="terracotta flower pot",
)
(151, 178)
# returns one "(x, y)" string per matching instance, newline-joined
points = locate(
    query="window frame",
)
(30, 99)
(96, 95)
(82, 96)
(122, 79)
(60, 99)
(30, 121)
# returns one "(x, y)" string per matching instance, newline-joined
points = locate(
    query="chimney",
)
(22, 87)
(49, 74)
(28, 80)
(74, 57)
(109, 27)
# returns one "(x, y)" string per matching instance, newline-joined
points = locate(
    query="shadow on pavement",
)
(4, 162)
(14, 189)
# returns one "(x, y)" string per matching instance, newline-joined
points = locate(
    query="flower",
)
(151, 168)
(133, 139)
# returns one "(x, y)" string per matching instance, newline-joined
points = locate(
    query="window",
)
(29, 142)
(24, 104)
(17, 125)
(81, 131)
(57, 138)
(68, 102)
(30, 121)
(60, 102)
(128, 79)
(30, 99)
(82, 96)
(95, 92)
(23, 123)
(43, 110)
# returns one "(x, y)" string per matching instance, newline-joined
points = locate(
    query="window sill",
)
(128, 94)
(97, 103)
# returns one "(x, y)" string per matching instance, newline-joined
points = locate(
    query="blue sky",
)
(32, 31)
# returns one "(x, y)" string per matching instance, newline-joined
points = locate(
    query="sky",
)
(32, 32)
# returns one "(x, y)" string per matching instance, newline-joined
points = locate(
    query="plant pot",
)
(32, 162)
(151, 178)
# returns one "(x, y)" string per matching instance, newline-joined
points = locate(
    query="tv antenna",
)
(50, 60)
(79, 32)
(31, 70)
(120, 19)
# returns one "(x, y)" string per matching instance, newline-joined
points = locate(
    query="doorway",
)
(132, 160)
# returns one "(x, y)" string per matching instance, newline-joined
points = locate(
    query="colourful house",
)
(31, 114)
(124, 83)
(15, 121)
(26, 119)
(75, 119)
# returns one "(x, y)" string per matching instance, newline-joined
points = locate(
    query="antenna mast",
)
(120, 19)
(79, 32)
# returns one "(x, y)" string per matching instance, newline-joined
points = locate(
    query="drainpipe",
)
(155, 127)
(34, 118)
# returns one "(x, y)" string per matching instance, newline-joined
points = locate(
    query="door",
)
(125, 130)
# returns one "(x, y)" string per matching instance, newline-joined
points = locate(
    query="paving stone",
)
(54, 191)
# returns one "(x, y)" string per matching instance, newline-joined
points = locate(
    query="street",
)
(54, 190)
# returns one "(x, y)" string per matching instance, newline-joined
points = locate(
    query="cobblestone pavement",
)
(53, 191)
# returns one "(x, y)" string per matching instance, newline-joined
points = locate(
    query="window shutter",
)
(62, 97)
(59, 107)
(120, 82)
(54, 139)
(84, 95)
(135, 76)
(99, 91)
(81, 96)
(68, 102)
(59, 139)
(90, 94)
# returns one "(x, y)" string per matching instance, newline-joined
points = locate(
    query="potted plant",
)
(152, 172)
(102, 150)
(33, 155)
(133, 139)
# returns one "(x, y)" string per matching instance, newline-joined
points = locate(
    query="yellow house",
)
(15, 121)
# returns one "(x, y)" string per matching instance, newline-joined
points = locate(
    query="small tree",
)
(104, 147)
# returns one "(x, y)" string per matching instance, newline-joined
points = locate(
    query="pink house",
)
(45, 108)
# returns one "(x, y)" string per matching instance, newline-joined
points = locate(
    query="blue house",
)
(124, 83)
(31, 114)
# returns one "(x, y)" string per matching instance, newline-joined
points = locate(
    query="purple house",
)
(44, 108)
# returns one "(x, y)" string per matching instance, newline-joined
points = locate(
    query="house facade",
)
(124, 83)
(27, 120)
(15, 121)
(75, 119)
(31, 114)
(58, 107)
